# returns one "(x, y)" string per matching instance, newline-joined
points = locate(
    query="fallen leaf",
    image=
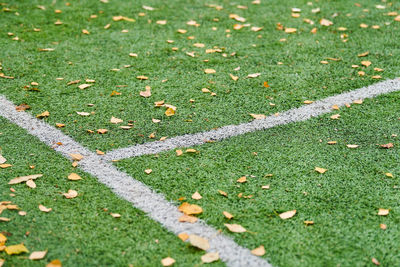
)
(183, 236)
(223, 193)
(54, 263)
(388, 174)
(197, 196)
(74, 177)
(31, 184)
(148, 171)
(366, 63)
(242, 179)
(253, 75)
(115, 215)
(115, 120)
(352, 146)
(227, 215)
(179, 152)
(2, 159)
(363, 54)
(387, 146)
(265, 186)
(44, 209)
(24, 178)
(146, 93)
(84, 86)
(190, 209)
(37, 255)
(76, 157)
(2, 262)
(358, 101)
(235, 228)
(258, 116)
(210, 257)
(3, 238)
(383, 226)
(383, 212)
(209, 71)
(43, 115)
(335, 117)
(102, 131)
(167, 261)
(199, 242)
(4, 219)
(70, 194)
(290, 30)
(308, 222)
(266, 85)
(141, 77)
(187, 218)
(332, 142)
(375, 261)
(22, 107)
(16, 249)
(191, 150)
(325, 22)
(256, 29)
(287, 214)
(260, 251)
(320, 170)
(307, 102)
(83, 113)
(235, 78)
(169, 112)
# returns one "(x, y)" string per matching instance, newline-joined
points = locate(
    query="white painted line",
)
(141, 196)
(293, 115)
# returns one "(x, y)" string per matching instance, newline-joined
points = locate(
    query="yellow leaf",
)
(71, 194)
(76, 157)
(260, 251)
(308, 222)
(223, 193)
(43, 115)
(190, 209)
(366, 63)
(3, 238)
(199, 242)
(191, 150)
(210, 257)
(325, 22)
(209, 71)
(388, 174)
(287, 214)
(74, 177)
(290, 30)
(307, 102)
(266, 85)
(24, 178)
(383, 212)
(16, 249)
(2, 262)
(170, 112)
(167, 261)
(6, 165)
(242, 179)
(4, 219)
(179, 152)
(37, 255)
(235, 78)
(54, 263)
(197, 196)
(320, 170)
(363, 54)
(235, 228)
(258, 116)
(183, 236)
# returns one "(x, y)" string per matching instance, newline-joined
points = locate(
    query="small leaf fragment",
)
(76, 157)
(260, 251)
(383, 212)
(210, 257)
(197, 196)
(70, 194)
(235, 228)
(148, 171)
(320, 170)
(31, 184)
(44, 209)
(375, 261)
(258, 116)
(227, 215)
(167, 261)
(115, 120)
(183, 236)
(242, 179)
(54, 263)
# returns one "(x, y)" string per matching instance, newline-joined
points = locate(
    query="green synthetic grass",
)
(78, 231)
(78, 56)
(343, 202)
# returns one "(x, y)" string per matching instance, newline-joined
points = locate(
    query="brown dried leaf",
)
(183, 236)
(167, 261)
(22, 107)
(76, 156)
(320, 170)
(258, 116)
(70, 194)
(146, 93)
(383, 212)
(54, 263)
(31, 184)
(227, 215)
(115, 120)
(43, 115)
(44, 209)
(387, 146)
(197, 196)
(352, 146)
(187, 218)
(37, 255)
(242, 179)
(209, 71)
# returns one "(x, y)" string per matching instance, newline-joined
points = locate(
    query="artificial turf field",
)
(300, 66)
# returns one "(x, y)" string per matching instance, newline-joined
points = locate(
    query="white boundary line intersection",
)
(154, 204)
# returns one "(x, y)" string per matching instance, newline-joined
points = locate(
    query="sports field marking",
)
(141, 196)
(293, 115)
